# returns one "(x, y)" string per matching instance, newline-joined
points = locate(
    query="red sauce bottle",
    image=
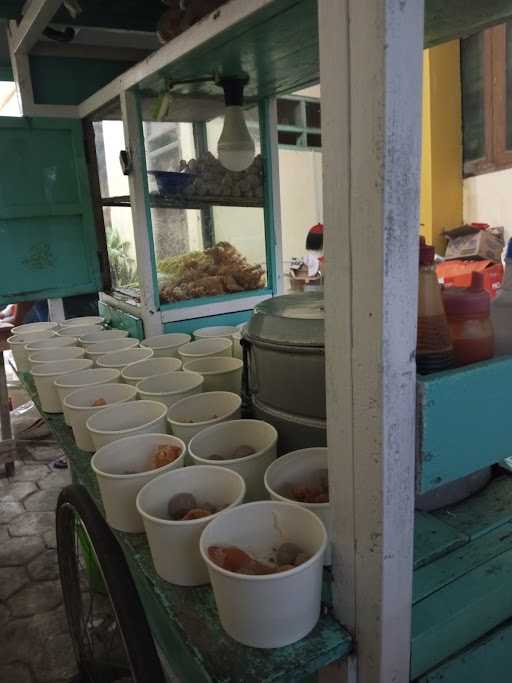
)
(468, 312)
(434, 351)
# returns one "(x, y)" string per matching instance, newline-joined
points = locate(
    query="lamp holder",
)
(233, 90)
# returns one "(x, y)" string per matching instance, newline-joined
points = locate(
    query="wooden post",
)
(371, 68)
(141, 216)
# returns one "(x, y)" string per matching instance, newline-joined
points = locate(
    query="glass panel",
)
(285, 137)
(9, 103)
(289, 113)
(314, 140)
(313, 116)
(121, 249)
(109, 139)
(508, 72)
(473, 109)
(203, 250)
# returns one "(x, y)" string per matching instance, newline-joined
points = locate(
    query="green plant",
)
(121, 263)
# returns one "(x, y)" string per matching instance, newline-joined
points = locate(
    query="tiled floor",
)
(34, 643)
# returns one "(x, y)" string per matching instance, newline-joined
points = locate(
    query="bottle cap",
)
(474, 300)
(427, 253)
(508, 254)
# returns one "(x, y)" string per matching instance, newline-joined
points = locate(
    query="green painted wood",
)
(70, 80)
(433, 538)
(459, 18)
(121, 320)
(480, 514)
(268, 189)
(6, 72)
(185, 620)
(454, 564)
(487, 660)
(460, 613)
(188, 326)
(46, 221)
(454, 433)
(191, 303)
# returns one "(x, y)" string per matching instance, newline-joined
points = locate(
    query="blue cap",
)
(508, 255)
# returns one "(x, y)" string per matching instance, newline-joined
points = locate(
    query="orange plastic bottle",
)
(434, 350)
(468, 312)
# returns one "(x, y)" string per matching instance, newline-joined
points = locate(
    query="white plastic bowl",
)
(224, 438)
(171, 387)
(46, 374)
(94, 351)
(127, 419)
(77, 330)
(33, 328)
(215, 332)
(221, 373)
(135, 372)
(47, 344)
(85, 378)
(174, 544)
(276, 609)
(166, 344)
(18, 342)
(202, 348)
(205, 410)
(119, 490)
(79, 406)
(120, 359)
(48, 355)
(295, 468)
(101, 336)
(85, 320)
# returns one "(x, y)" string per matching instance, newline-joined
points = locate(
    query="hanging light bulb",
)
(236, 146)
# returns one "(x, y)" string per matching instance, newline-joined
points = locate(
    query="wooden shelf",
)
(183, 202)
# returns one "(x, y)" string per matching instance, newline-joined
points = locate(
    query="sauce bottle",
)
(434, 351)
(468, 312)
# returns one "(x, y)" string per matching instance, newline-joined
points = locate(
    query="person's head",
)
(315, 238)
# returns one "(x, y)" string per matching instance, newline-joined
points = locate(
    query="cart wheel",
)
(110, 633)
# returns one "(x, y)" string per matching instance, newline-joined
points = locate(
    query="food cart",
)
(386, 431)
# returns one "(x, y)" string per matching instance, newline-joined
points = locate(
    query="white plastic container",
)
(222, 439)
(202, 348)
(46, 374)
(296, 468)
(94, 351)
(34, 328)
(77, 330)
(101, 336)
(166, 344)
(194, 413)
(18, 342)
(136, 372)
(171, 387)
(215, 332)
(127, 419)
(276, 609)
(119, 490)
(48, 355)
(85, 378)
(174, 545)
(120, 359)
(47, 344)
(85, 320)
(221, 373)
(79, 407)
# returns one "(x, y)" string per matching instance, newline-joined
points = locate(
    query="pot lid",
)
(289, 320)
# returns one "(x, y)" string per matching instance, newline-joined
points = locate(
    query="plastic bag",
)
(27, 423)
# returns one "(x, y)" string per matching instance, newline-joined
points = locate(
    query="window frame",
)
(496, 155)
(302, 130)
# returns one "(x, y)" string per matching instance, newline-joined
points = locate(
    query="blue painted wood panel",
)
(121, 320)
(433, 538)
(486, 661)
(47, 230)
(463, 421)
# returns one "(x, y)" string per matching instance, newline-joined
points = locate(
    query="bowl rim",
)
(239, 365)
(268, 577)
(66, 403)
(174, 391)
(205, 393)
(126, 431)
(232, 461)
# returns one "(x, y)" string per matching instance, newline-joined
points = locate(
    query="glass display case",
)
(208, 234)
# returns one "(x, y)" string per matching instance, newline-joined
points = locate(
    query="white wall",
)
(488, 199)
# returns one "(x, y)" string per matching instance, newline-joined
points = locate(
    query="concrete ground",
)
(34, 643)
